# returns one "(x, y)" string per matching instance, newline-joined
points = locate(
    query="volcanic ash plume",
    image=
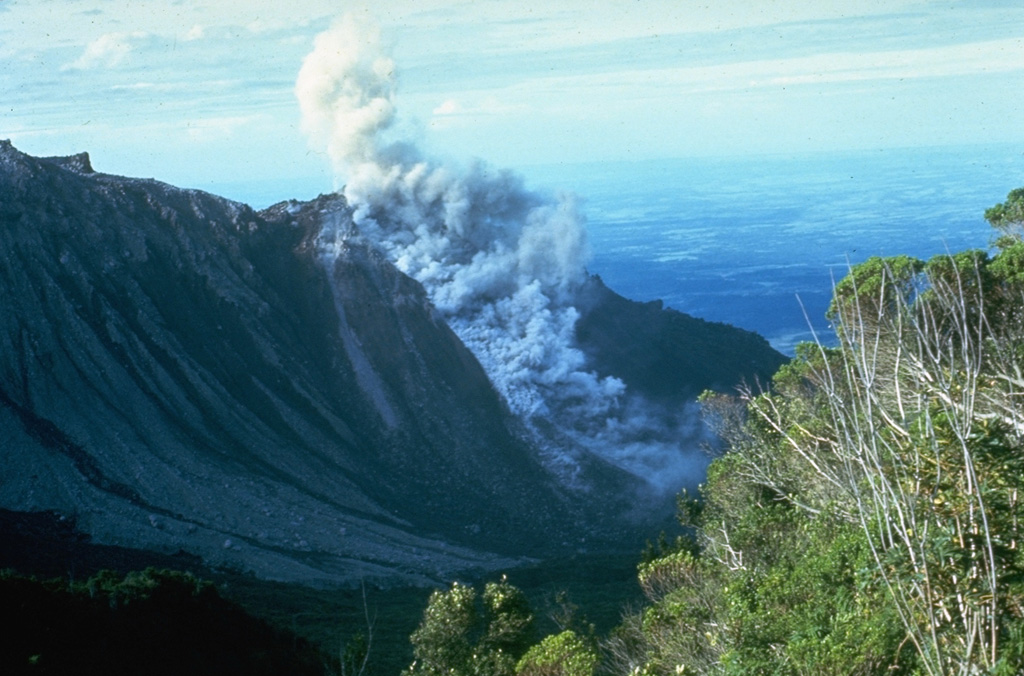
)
(499, 262)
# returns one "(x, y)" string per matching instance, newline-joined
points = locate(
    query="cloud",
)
(450, 112)
(197, 32)
(107, 51)
(137, 86)
(212, 129)
(345, 90)
(498, 261)
(449, 107)
(975, 58)
(759, 72)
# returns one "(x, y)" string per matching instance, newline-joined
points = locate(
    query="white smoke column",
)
(345, 91)
(499, 262)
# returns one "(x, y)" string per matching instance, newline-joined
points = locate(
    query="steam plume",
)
(501, 263)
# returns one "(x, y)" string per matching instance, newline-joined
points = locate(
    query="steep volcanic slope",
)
(175, 371)
(179, 372)
(664, 354)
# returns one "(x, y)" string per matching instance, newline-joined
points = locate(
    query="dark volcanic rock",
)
(665, 354)
(176, 372)
(180, 373)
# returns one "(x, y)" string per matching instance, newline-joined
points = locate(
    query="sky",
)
(201, 93)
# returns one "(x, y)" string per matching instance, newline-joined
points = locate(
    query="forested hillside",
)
(863, 519)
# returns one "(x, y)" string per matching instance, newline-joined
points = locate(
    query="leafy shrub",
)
(463, 635)
(865, 516)
(564, 654)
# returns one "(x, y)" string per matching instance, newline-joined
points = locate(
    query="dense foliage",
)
(462, 635)
(864, 517)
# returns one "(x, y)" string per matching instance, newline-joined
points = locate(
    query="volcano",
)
(182, 373)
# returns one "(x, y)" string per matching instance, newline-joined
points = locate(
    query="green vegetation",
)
(865, 516)
(565, 654)
(585, 592)
(354, 630)
(462, 635)
(1008, 218)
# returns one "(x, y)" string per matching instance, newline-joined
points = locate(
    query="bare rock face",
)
(179, 372)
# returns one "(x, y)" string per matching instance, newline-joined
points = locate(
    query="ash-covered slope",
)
(176, 372)
(180, 372)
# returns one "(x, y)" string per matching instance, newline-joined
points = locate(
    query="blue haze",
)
(755, 242)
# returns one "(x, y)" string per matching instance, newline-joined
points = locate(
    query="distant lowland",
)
(758, 241)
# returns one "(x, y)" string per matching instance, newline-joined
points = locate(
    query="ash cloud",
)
(502, 264)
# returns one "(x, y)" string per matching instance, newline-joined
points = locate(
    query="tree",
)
(874, 288)
(1008, 218)
(462, 634)
(441, 643)
(564, 654)
(865, 515)
(911, 429)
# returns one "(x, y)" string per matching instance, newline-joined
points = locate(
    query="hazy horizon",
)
(203, 93)
(208, 96)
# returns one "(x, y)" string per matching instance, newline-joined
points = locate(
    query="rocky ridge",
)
(181, 372)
